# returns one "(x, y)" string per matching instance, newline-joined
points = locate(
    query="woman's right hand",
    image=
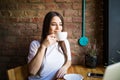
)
(50, 39)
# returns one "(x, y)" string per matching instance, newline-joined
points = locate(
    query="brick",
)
(90, 19)
(70, 26)
(37, 6)
(70, 13)
(35, 1)
(77, 6)
(16, 13)
(41, 13)
(90, 4)
(24, 6)
(19, 26)
(90, 12)
(23, 13)
(77, 19)
(28, 33)
(16, 1)
(51, 6)
(10, 39)
(67, 19)
(80, 12)
(65, 6)
(60, 0)
(29, 13)
(36, 20)
(31, 26)
(2, 20)
(10, 7)
(6, 13)
(73, 30)
(49, 0)
(67, 1)
(22, 19)
(7, 4)
(12, 20)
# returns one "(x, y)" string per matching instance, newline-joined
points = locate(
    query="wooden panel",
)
(18, 73)
(11, 74)
(21, 73)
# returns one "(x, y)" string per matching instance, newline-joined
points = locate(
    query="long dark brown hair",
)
(46, 23)
(46, 27)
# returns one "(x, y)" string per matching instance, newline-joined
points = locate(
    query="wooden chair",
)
(18, 73)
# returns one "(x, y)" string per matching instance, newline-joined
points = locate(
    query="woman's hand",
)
(61, 72)
(51, 39)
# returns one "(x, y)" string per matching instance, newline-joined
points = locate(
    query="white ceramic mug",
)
(61, 36)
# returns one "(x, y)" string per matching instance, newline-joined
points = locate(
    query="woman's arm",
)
(67, 64)
(35, 64)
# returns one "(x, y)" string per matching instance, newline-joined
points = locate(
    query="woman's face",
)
(55, 25)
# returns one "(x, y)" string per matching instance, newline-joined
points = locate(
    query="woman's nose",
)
(58, 27)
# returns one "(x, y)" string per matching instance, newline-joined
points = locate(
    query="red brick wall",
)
(21, 22)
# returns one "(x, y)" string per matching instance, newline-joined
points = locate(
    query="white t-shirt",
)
(53, 60)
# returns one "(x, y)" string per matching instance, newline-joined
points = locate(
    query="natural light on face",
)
(55, 25)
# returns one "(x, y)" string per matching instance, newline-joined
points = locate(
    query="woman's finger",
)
(61, 73)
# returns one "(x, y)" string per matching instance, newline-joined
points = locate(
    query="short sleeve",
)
(68, 49)
(34, 45)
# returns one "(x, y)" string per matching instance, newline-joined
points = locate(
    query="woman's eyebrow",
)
(55, 22)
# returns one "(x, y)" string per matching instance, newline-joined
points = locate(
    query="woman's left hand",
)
(62, 71)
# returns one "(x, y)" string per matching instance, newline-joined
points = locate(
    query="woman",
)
(49, 59)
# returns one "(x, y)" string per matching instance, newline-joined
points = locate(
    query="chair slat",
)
(18, 73)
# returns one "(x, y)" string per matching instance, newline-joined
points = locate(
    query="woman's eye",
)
(53, 24)
(56, 24)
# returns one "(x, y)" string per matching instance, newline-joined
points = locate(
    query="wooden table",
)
(83, 71)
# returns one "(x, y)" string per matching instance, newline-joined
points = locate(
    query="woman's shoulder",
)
(35, 43)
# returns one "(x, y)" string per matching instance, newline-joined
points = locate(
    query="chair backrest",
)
(18, 73)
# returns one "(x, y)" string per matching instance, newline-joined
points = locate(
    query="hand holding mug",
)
(51, 39)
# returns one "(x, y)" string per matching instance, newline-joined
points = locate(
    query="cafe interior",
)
(93, 34)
